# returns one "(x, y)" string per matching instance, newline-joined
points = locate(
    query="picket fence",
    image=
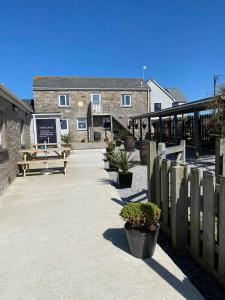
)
(193, 210)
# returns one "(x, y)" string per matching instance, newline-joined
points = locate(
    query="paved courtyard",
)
(61, 238)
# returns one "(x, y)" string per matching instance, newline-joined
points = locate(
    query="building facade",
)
(15, 119)
(91, 109)
(162, 97)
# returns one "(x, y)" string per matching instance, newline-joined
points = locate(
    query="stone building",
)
(15, 119)
(92, 109)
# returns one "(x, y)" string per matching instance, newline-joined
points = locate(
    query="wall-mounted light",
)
(143, 125)
(136, 126)
(129, 127)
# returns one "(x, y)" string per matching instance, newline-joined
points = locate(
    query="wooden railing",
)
(193, 210)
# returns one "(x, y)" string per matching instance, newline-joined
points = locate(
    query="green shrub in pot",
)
(141, 227)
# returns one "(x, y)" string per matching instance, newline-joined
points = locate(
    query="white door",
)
(96, 103)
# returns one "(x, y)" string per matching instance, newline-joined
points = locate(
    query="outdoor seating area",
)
(43, 156)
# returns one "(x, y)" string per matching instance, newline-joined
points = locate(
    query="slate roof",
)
(91, 83)
(177, 94)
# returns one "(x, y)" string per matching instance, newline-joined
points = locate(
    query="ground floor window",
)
(81, 124)
(64, 124)
(106, 123)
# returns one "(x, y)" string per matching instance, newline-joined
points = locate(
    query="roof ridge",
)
(84, 77)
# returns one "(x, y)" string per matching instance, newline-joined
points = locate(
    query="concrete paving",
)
(61, 239)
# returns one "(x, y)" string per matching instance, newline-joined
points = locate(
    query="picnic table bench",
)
(30, 158)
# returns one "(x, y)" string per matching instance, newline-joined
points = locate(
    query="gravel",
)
(203, 281)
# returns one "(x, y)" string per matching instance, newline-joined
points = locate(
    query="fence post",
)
(164, 178)
(208, 218)
(196, 177)
(157, 186)
(151, 171)
(178, 222)
(221, 265)
(220, 150)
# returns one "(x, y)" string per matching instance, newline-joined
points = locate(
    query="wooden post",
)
(196, 176)
(165, 168)
(208, 219)
(141, 129)
(178, 206)
(196, 133)
(157, 187)
(221, 265)
(175, 129)
(149, 128)
(151, 171)
(133, 129)
(160, 129)
(220, 150)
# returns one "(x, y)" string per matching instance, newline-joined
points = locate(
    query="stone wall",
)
(15, 133)
(47, 101)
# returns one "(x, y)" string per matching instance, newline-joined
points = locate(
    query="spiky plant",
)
(67, 138)
(123, 161)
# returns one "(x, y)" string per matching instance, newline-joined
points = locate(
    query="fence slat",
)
(178, 206)
(151, 171)
(165, 191)
(158, 163)
(196, 177)
(208, 218)
(221, 266)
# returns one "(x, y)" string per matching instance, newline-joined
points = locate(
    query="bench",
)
(25, 164)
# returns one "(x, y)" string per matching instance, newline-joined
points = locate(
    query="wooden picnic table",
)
(30, 157)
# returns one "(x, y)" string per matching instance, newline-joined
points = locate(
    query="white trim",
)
(81, 129)
(66, 98)
(124, 95)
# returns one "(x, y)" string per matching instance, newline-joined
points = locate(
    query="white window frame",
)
(96, 94)
(67, 124)
(81, 129)
(66, 98)
(123, 96)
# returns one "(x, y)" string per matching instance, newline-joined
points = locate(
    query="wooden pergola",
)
(177, 118)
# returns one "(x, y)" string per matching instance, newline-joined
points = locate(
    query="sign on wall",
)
(46, 131)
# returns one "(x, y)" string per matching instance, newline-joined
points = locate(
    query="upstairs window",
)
(64, 101)
(174, 104)
(157, 106)
(96, 98)
(126, 100)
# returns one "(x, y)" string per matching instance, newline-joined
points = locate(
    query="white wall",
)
(157, 95)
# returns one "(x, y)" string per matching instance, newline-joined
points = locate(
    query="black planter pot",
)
(125, 180)
(141, 244)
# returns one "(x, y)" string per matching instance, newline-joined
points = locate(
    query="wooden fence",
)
(193, 210)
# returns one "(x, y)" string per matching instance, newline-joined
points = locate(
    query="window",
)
(175, 104)
(81, 124)
(126, 100)
(64, 101)
(96, 98)
(106, 123)
(64, 124)
(157, 106)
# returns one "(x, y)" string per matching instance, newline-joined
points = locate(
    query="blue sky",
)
(181, 42)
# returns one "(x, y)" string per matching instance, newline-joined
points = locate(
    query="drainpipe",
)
(148, 100)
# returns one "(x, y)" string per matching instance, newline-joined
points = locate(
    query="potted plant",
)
(124, 162)
(141, 227)
(67, 139)
(109, 151)
(129, 140)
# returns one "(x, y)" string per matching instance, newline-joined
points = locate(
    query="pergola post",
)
(160, 129)
(133, 129)
(141, 129)
(196, 133)
(175, 129)
(149, 128)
